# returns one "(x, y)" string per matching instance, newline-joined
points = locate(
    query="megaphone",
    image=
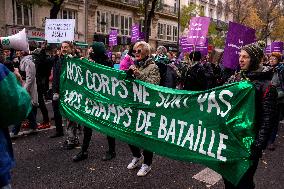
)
(18, 41)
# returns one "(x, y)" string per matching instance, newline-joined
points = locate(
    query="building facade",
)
(15, 16)
(104, 15)
(95, 19)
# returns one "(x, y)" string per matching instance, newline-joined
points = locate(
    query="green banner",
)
(213, 127)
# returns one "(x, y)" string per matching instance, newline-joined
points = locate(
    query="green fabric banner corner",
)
(213, 127)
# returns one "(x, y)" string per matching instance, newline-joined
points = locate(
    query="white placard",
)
(59, 30)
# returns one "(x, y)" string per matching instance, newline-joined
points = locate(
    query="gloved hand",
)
(55, 96)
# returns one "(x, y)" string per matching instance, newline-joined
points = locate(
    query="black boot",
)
(108, 156)
(80, 156)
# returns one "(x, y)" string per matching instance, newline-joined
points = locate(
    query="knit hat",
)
(277, 55)
(98, 48)
(255, 51)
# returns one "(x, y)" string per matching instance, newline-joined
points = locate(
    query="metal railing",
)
(164, 8)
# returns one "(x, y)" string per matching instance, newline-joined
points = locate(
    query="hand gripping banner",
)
(213, 127)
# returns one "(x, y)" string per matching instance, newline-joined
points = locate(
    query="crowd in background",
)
(39, 73)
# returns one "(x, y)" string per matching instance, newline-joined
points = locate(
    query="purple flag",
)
(198, 30)
(186, 47)
(135, 33)
(203, 48)
(113, 38)
(277, 47)
(142, 36)
(237, 37)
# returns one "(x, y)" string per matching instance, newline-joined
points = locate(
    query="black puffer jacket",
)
(266, 107)
(198, 76)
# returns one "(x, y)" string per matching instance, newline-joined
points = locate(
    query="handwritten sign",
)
(135, 33)
(198, 30)
(59, 30)
(113, 38)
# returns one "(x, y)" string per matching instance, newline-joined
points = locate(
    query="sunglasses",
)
(137, 51)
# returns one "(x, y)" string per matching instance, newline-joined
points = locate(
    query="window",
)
(175, 33)
(211, 13)
(102, 22)
(125, 25)
(162, 28)
(142, 26)
(22, 14)
(202, 9)
(175, 6)
(169, 32)
(114, 21)
(67, 14)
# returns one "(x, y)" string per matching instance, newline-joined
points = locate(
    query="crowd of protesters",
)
(36, 70)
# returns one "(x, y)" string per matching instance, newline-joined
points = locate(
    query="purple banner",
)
(277, 47)
(142, 36)
(203, 48)
(186, 47)
(198, 30)
(237, 37)
(113, 38)
(135, 33)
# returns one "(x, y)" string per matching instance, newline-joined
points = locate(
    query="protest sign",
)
(59, 30)
(186, 47)
(277, 46)
(203, 48)
(211, 127)
(198, 30)
(113, 37)
(135, 33)
(237, 37)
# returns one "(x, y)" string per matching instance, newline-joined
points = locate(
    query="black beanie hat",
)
(255, 51)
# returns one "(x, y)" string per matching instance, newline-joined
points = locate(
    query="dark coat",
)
(266, 108)
(57, 65)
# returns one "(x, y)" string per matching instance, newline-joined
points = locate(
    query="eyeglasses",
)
(272, 58)
(137, 51)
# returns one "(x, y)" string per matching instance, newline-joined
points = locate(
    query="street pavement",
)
(42, 163)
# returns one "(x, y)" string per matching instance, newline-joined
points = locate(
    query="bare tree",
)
(269, 12)
(239, 9)
(148, 15)
(56, 4)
